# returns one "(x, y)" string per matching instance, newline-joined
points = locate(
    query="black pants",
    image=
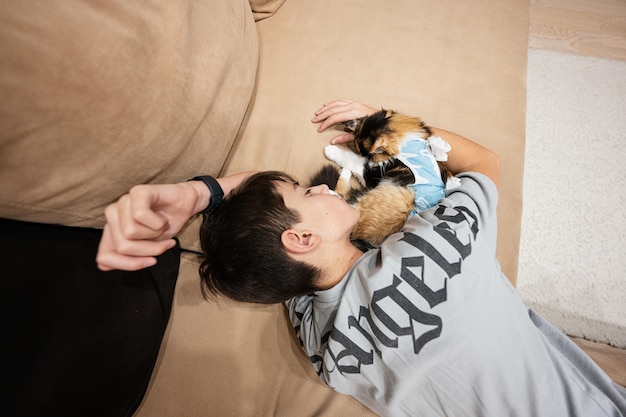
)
(76, 341)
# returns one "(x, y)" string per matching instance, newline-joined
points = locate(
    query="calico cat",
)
(397, 168)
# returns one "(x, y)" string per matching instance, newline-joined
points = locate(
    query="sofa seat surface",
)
(458, 65)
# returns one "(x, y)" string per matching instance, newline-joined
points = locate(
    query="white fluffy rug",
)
(573, 242)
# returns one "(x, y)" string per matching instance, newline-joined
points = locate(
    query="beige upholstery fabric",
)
(99, 96)
(262, 9)
(460, 65)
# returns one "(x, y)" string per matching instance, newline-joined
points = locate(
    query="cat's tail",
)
(328, 174)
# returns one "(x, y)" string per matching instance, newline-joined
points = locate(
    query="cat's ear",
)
(380, 145)
(298, 241)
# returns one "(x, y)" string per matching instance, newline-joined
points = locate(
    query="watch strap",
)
(217, 194)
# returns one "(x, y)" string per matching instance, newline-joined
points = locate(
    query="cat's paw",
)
(346, 158)
(335, 153)
(345, 174)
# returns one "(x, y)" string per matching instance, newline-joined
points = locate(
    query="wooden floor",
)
(586, 27)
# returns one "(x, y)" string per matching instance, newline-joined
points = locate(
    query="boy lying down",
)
(426, 325)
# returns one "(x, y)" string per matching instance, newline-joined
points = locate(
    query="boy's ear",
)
(297, 241)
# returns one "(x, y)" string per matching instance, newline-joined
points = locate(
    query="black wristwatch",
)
(217, 194)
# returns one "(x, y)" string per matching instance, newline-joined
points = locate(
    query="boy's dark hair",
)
(244, 258)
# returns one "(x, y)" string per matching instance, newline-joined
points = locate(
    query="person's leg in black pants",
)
(76, 341)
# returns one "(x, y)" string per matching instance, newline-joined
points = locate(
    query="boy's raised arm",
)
(467, 155)
(141, 224)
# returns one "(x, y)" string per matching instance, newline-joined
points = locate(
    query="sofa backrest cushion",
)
(98, 96)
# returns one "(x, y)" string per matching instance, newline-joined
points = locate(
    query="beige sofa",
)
(98, 96)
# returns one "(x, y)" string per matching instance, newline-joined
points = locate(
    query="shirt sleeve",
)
(476, 197)
(478, 191)
(311, 324)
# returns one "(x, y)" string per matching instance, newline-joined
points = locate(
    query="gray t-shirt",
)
(428, 325)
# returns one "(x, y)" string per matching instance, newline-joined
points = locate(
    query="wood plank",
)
(585, 27)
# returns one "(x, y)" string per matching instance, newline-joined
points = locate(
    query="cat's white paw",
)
(346, 158)
(335, 154)
(345, 174)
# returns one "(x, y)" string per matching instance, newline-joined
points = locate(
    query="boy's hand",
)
(339, 111)
(142, 223)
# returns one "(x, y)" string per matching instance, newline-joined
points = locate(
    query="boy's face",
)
(320, 211)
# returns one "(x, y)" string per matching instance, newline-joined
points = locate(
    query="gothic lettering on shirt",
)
(393, 312)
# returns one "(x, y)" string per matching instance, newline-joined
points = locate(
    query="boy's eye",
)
(307, 192)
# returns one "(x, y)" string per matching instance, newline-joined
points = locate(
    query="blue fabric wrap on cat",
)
(428, 186)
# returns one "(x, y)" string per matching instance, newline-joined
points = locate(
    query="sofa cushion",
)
(99, 96)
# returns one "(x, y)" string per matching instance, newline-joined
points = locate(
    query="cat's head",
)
(380, 135)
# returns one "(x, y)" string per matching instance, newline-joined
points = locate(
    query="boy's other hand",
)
(339, 111)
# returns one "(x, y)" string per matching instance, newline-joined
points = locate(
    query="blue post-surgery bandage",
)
(418, 155)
